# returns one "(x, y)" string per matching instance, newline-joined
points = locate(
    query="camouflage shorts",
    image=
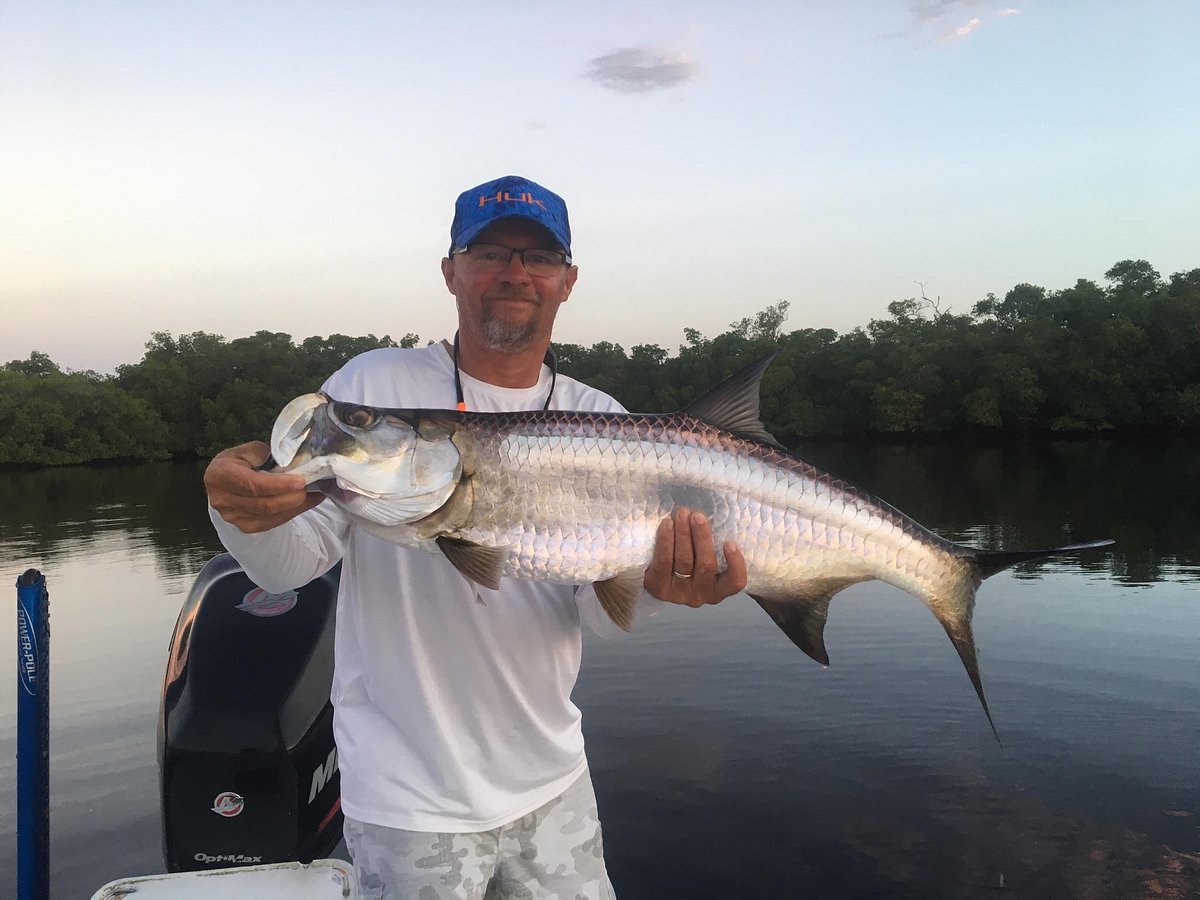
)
(554, 853)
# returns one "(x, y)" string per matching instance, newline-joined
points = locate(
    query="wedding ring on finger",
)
(678, 574)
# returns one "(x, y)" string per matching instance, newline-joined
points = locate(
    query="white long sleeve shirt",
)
(452, 703)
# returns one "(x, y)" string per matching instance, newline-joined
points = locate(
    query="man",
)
(463, 770)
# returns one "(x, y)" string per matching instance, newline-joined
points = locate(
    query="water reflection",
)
(1012, 843)
(777, 814)
(50, 513)
(1142, 494)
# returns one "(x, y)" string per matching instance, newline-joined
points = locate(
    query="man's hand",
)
(254, 501)
(684, 566)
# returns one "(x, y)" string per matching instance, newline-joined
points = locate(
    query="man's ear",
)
(572, 274)
(448, 273)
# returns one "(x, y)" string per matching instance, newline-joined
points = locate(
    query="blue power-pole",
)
(33, 737)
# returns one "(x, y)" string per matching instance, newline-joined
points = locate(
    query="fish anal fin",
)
(477, 563)
(802, 614)
(733, 404)
(619, 595)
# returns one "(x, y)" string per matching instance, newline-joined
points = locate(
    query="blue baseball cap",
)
(503, 198)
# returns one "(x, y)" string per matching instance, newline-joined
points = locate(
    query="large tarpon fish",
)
(577, 497)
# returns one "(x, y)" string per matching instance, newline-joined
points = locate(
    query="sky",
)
(292, 166)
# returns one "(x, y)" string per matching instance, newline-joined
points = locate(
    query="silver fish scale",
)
(590, 490)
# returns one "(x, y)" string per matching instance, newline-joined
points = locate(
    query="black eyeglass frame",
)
(512, 251)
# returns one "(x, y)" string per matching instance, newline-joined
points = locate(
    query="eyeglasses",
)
(495, 257)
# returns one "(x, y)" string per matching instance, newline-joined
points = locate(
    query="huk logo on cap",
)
(228, 804)
(506, 197)
(259, 603)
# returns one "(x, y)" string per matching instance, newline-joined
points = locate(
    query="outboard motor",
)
(247, 764)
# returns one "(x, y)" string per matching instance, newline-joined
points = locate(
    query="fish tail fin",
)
(953, 603)
(989, 562)
(954, 607)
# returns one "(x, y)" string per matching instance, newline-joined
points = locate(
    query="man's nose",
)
(515, 270)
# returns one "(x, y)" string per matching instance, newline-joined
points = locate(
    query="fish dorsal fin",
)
(477, 563)
(733, 404)
(619, 596)
(802, 615)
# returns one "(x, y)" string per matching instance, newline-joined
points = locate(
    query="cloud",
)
(931, 18)
(926, 11)
(962, 31)
(635, 70)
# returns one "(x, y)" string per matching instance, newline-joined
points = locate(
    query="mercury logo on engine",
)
(228, 804)
(322, 774)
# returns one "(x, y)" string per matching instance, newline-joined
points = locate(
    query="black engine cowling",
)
(247, 764)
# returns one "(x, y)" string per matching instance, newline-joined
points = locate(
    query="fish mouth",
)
(292, 428)
(379, 509)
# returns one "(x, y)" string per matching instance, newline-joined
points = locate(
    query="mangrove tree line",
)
(1123, 357)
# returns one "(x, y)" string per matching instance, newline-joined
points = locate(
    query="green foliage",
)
(195, 393)
(1083, 360)
(54, 418)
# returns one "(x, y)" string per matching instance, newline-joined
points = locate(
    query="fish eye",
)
(359, 416)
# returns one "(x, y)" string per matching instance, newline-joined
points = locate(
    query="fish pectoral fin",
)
(802, 616)
(619, 596)
(733, 404)
(477, 563)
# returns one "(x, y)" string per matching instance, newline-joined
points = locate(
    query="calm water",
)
(726, 763)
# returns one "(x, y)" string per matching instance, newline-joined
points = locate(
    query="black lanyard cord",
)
(550, 360)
